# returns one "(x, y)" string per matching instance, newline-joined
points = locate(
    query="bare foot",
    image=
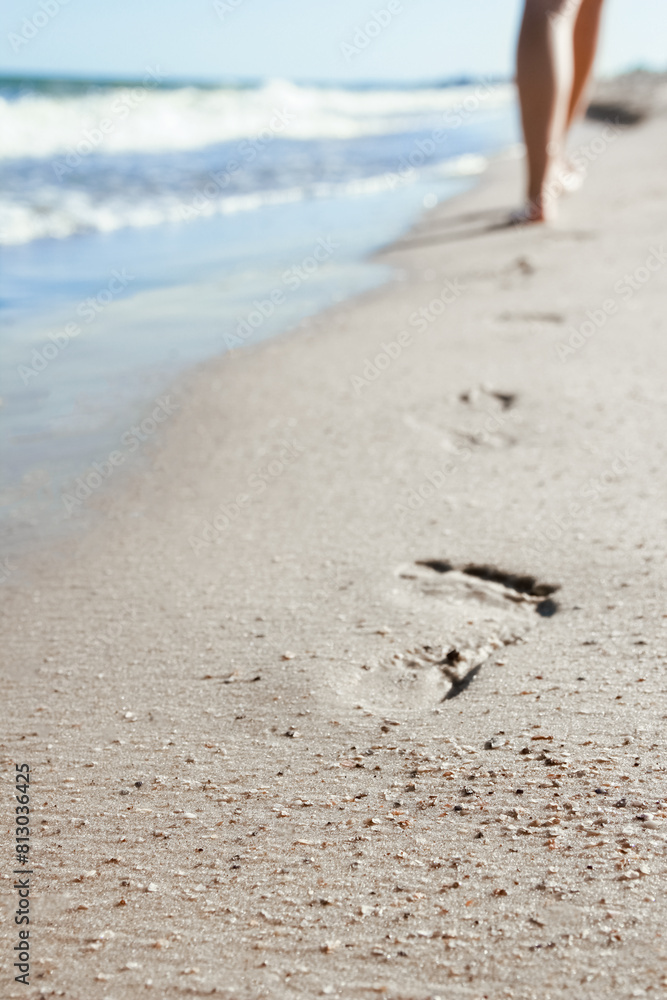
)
(570, 176)
(531, 213)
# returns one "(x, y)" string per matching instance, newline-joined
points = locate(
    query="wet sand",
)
(304, 710)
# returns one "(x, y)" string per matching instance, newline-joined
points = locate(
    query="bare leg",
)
(545, 76)
(586, 31)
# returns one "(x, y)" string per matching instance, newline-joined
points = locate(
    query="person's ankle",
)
(535, 208)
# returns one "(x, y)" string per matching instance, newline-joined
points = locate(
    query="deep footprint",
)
(484, 608)
(506, 399)
(521, 582)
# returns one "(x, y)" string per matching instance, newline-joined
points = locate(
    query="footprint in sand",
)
(490, 417)
(473, 397)
(478, 609)
(487, 418)
(531, 317)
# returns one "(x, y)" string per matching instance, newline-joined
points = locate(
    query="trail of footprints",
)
(470, 612)
(482, 607)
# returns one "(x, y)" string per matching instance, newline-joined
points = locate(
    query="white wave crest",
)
(56, 214)
(152, 120)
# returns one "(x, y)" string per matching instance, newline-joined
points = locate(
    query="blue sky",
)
(297, 39)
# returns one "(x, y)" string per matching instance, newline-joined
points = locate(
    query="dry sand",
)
(245, 779)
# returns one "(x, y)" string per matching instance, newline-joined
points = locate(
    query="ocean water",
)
(146, 227)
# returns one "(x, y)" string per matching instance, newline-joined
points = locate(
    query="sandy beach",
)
(354, 686)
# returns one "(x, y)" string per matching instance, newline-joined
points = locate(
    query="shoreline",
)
(58, 446)
(43, 526)
(268, 761)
